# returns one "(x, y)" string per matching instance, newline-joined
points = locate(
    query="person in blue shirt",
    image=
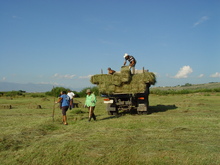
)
(64, 100)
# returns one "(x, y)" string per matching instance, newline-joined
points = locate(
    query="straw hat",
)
(88, 91)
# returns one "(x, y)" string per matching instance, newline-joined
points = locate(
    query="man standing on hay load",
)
(132, 61)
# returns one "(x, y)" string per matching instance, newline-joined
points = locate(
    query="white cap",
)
(125, 55)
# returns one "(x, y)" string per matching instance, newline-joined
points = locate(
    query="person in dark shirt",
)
(131, 60)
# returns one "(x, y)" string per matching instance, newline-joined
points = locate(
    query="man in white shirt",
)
(71, 95)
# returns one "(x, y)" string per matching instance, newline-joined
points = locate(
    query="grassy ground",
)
(212, 85)
(181, 129)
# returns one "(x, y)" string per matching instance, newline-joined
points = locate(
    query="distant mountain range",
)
(29, 87)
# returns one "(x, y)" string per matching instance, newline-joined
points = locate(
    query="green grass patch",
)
(187, 89)
(181, 129)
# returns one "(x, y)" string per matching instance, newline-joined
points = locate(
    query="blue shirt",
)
(65, 100)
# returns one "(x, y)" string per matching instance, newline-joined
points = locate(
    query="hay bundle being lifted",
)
(123, 82)
(125, 74)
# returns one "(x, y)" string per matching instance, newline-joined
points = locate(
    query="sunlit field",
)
(180, 129)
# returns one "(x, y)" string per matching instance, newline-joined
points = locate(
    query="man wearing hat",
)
(132, 61)
(90, 103)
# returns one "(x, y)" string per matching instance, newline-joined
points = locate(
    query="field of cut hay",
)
(180, 130)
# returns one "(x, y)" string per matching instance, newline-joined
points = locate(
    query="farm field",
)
(180, 129)
(187, 86)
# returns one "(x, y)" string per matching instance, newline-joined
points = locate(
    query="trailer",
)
(124, 91)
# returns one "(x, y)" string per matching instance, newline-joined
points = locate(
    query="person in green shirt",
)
(90, 103)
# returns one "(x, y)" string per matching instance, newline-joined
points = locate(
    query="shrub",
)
(94, 89)
(37, 95)
(56, 91)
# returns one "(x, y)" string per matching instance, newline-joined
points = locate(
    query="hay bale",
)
(126, 88)
(125, 74)
(142, 87)
(146, 77)
(123, 82)
(150, 77)
(116, 79)
(39, 107)
(106, 88)
(118, 89)
(134, 87)
(102, 88)
(111, 88)
(125, 69)
(125, 77)
(99, 78)
(5, 106)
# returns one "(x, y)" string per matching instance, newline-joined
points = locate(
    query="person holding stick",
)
(90, 103)
(65, 102)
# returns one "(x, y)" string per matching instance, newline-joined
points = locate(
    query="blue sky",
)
(64, 42)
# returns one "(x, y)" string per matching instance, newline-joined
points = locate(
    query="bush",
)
(13, 93)
(94, 89)
(56, 91)
(37, 95)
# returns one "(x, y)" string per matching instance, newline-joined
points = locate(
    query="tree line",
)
(55, 92)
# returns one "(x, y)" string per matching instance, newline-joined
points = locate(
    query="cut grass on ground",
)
(181, 129)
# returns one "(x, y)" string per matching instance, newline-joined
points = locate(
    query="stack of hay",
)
(123, 82)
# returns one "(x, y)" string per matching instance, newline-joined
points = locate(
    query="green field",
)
(181, 129)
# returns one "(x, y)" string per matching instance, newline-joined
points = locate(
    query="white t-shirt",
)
(71, 95)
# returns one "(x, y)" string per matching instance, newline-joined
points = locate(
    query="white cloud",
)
(85, 77)
(156, 74)
(201, 75)
(4, 78)
(16, 17)
(201, 20)
(67, 76)
(217, 74)
(184, 72)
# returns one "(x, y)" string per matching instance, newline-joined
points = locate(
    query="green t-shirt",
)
(90, 100)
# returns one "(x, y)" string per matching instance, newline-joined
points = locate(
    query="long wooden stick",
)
(53, 105)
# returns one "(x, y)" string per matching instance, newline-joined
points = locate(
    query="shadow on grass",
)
(161, 108)
(121, 114)
(152, 109)
(111, 117)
